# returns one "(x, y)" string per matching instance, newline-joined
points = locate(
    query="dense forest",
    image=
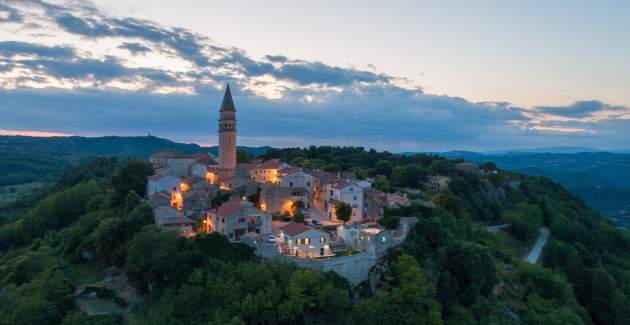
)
(92, 228)
(602, 179)
(29, 159)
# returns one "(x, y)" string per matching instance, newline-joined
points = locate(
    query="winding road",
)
(536, 251)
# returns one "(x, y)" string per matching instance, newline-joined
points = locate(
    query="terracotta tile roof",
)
(166, 215)
(343, 183)
(324, 177)
(271, 164)
(293, 228)
(291, 170)
(179, 155)
(232, 206)
(248, 167)
(206, 159)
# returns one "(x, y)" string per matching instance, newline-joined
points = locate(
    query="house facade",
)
(348, 191)
(296, 179)
(237, 217)
(269, 171)
(169, 218)
(301, 241)
(163, 183)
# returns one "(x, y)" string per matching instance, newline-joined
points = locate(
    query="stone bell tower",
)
(227, 136)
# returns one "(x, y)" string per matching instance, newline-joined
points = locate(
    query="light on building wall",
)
(263, 206)
(210, 177)
(184, 187)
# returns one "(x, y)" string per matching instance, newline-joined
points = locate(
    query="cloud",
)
(580, 109)
(185, 43)
(69, 85)
(306, 73)
(9, 49)
(134, 48)
(9, 14)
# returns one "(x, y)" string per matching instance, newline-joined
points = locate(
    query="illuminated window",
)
(383, 239)
(307, 241)
(298, 241)
(322, 239)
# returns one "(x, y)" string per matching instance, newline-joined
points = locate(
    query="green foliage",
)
(331, 168)
(243, 157)
(525, 220)
(343, 211)
(467, 272)
(382, 183)
(152, 259)
(383, 167)
(131, 176)
(408, 176)
(58, 210)
(410, 299)
(42, 300)
(439, 167)
(469, 275)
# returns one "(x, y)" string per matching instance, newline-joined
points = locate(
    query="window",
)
(241, 220)
(383, 239)
(222, 220)
(354, 198)
(321, 251)
(290, 184)
(298, 241)
(351, 189)
(308, 184)
(322, 239)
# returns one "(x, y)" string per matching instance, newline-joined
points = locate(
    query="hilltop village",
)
(303, 215)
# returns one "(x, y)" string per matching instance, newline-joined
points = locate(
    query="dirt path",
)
(537, 250)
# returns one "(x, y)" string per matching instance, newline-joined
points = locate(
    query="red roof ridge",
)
(293, 228)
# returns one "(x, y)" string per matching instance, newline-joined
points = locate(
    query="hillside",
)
(29, 159)
(602, 179)
(92, 233)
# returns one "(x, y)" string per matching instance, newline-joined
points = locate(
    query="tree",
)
(524, 220)
(243, 157)
(408, 176)
(152, 259)
(489, 166)
(383, 167)
(343, 211)
(406, 300)
(439, 167)
(382, 183)
(468, 272)
(311, 296)
(108, 239)
(131, 176)
(331, 168)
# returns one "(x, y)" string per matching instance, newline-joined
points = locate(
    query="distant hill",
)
(568, 150)
(26, 159)
(602, 179)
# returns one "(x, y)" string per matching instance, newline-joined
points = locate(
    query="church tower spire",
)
(227, 136)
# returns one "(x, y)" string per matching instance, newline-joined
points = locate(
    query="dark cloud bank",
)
(327, 105)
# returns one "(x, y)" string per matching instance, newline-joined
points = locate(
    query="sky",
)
(396, 75)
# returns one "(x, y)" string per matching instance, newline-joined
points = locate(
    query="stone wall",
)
(356, 268)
